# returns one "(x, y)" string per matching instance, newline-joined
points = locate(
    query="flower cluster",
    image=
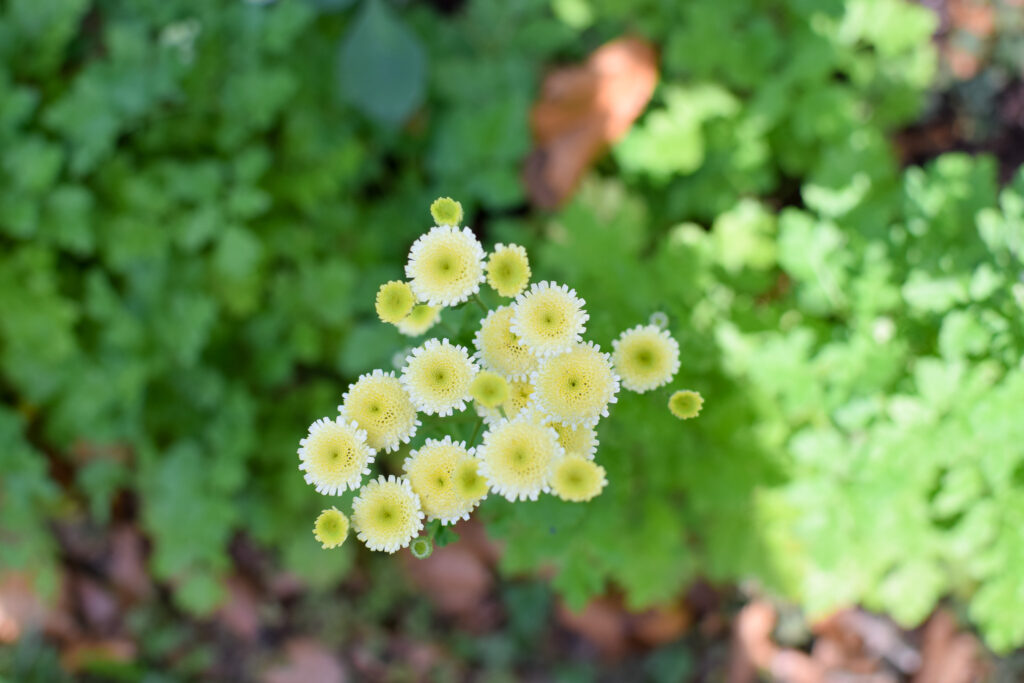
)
(537, 387)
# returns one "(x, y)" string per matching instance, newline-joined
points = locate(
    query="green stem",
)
(480, 303)
(476, 432)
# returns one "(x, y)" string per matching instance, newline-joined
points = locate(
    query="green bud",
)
(421, 548)
(446, 211)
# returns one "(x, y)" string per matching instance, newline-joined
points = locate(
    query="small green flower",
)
(489, 389)
(577, 479)
(446, 211)
(508, 270)
(685, 404)
(331, 528)
(395, 301)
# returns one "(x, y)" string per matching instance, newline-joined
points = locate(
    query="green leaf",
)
(382, 66)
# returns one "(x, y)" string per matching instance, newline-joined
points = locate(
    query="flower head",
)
(577, 439)
(517, 456)
(378, 404)
(421, 548)
(659, 319)
(646, 357)
(577, 479)
(577, 386)
(470, 484)
(518, 400)
(420, 319)
(445, 266)
(498, 348)
(446, 211)
(335, 455)
(330, 528)
(431, 471)
(386, 514)
(549, 318)
(685, 404)
(394, 301)
(508, 269)
(438, 376)
(489, 389)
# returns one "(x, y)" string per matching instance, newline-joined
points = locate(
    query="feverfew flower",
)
(446, 211)
(489, 389)
(420, 319)
(445, 266)
(646, 357)
(387, 514)
(577, 386)
(394, 301)
(378, 404)
(438, 376)
(685, 404)
(335, 455)
(498, 348)
(549, 318)
(508, 269)
(517, 456)
(577, 439)
(577, 479)
(539, 388)
(330, 528)
(431, 471)
(519, 393)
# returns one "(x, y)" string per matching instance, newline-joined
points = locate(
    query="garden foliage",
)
(199, 199)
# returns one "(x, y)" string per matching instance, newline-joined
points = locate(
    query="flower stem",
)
(480, 303)
(476, 432)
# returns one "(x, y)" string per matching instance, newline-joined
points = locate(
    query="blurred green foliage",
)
(198, 200)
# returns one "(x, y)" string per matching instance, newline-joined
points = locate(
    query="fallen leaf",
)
(88, 653)
(457, 581)
(21, 611)
(603, 622)
(793, 666)
(97, 605)
(946, 655)
(306, 661)
(240, 612)
(126, 567)
(661, 625)
(582, 109)
(473, 535)
(753, 633)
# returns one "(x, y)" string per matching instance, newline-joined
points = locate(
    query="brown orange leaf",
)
(582, 109)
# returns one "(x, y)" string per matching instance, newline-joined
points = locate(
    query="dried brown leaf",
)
(581, 110)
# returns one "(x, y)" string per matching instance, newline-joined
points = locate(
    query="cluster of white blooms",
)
(537, 386)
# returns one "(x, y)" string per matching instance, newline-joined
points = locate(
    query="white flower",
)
(387, 514)
(549, 318)
(446, 266)
(378, 404)
(646, 357)
(335, 455)
(438, 376)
